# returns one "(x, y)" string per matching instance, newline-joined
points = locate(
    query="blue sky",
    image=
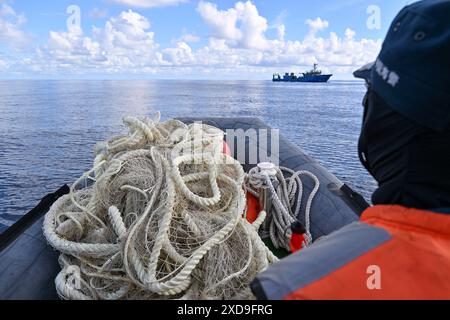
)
(188, 39)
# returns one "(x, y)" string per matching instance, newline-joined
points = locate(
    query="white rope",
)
(156, 223)
(287, 194)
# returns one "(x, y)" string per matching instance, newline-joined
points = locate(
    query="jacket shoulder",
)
(316, 262)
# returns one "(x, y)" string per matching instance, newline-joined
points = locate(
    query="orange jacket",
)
(393, 253)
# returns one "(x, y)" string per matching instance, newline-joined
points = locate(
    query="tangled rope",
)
(286, 196)
(159, 216)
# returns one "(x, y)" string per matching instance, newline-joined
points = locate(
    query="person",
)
(401, 247)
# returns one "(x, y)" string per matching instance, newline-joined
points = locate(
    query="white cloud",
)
(237, 44)
(148, 3)
(97, 13)
(182, 54)
(3, 65)
(190, 38)
(279, 26)
(124, 43)
(245, 45)
(11, 23)
(224, 24)
(317, 25)
(281, 30)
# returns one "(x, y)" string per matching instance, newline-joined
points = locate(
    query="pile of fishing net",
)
(159, 216)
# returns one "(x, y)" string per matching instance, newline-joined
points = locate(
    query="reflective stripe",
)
(319, 260)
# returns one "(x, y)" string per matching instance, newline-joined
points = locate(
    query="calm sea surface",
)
(48, 128)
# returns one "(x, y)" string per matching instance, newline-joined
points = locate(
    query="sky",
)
(189, 39)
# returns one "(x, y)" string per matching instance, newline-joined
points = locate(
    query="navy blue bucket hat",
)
(412, 71)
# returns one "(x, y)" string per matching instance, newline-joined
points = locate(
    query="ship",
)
(314, 75)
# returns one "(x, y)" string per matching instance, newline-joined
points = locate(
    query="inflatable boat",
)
(28, 265)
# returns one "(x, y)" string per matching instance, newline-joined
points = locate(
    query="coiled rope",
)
(286, 197)
(155, 222)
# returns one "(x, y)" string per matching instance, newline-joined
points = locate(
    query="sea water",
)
(48, 128)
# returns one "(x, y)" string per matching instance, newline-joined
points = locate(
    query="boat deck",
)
(28, 266)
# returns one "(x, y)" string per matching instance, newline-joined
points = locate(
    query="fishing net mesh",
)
(153, 221)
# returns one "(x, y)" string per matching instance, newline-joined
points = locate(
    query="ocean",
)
(48, 128)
